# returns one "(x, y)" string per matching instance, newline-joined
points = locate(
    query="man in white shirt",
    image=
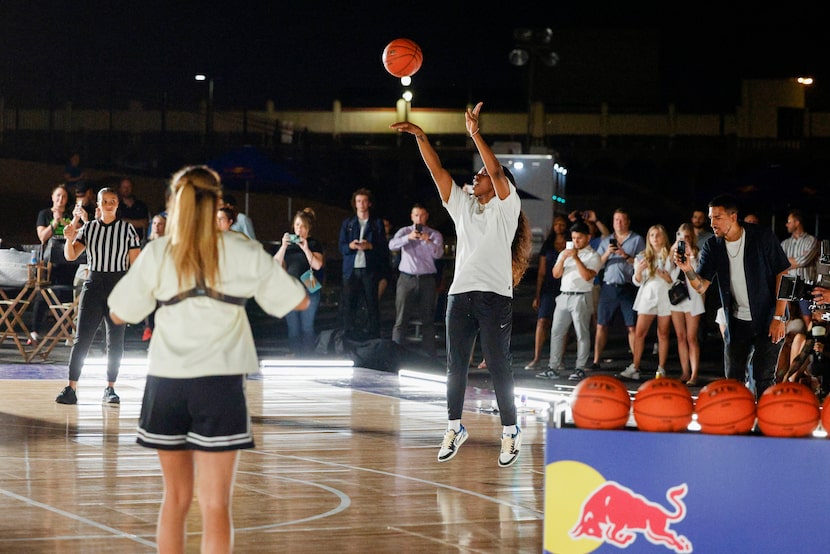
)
(576, 266)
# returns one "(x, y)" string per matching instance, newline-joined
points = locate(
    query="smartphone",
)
(294, 238)
(612, 242)
(681, 250)
(419, 228)
(569, 245)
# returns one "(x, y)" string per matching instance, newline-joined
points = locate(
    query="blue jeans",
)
(301, 334)
(490, 315)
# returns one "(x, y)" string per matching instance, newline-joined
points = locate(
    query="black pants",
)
(745, 350)
(362, 284)
(92, 309)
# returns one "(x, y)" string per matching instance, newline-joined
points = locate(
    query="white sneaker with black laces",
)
(452, 442)
(510, 445)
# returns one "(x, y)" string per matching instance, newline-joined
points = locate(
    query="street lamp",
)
(532, 46)
(806, 83)
(209, 107)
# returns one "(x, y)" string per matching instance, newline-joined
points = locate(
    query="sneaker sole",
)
(65, 403)
(457, 448)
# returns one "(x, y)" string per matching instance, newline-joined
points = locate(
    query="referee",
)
(112, 245)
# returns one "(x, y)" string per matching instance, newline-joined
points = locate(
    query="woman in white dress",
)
(652, 274)
(686, 315)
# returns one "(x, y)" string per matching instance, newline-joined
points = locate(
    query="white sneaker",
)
(630, 372)
(451, 443)
(510, 445)
(661, 373)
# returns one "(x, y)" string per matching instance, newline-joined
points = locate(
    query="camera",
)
(294, 239)
(419, 228)
(797, 288)
(681, 250)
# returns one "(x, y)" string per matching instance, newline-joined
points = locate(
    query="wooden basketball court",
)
(345, 461)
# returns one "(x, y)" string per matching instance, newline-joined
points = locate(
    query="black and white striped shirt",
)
(108, 244)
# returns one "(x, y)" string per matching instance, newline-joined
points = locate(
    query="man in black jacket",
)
(365, 254)
(748, 262)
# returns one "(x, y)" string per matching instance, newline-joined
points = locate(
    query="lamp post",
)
(532, 47)
(209, 107)
(806, 83)
(404, 102)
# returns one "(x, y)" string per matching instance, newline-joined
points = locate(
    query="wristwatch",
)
(780, 318)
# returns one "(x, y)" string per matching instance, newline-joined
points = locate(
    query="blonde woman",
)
(194, 410)
(652, 274)
(686, 315)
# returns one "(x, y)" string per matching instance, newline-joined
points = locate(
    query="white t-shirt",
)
(737, 278)
(483, 258)
(572, 280)
(200, 336)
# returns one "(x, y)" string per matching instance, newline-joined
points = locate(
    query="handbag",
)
(310, 281)
(678, 291)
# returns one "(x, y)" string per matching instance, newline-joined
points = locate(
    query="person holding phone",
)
(617, 291)
(365, 252)
(687, 314)
(576, 266)
(298, 253)
(652, 276)
(420, 246)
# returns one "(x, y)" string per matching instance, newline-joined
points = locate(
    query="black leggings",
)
(92, 308)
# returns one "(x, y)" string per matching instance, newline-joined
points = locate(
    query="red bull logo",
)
(615, 514)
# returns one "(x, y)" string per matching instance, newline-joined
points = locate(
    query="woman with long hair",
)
(194, 411)
(686, 315)
(652, 274)
(297, 254)
(492, 255)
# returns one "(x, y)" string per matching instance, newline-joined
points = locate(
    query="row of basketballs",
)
(723, 407)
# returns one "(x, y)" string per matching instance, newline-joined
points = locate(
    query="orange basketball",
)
(402, 57)
(788, 410)
(663, 405)
(725, 407)
(825, 415)
(600, 402)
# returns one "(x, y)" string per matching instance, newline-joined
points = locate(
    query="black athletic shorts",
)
(204, 413)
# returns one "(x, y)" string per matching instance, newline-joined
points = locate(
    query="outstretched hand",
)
(471, 118)
(407, 127)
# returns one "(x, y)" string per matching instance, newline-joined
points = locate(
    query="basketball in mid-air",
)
(725, 407)
(600, 402)
(402, 57)
(663, 405)
(788, 410)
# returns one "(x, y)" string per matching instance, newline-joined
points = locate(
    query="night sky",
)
(305, 54)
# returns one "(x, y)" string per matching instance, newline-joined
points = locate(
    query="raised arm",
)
(441, 177)
(501, 185)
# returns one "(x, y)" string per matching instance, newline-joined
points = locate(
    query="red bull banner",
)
(613, 491)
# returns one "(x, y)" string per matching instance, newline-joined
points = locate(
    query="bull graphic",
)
(615, 514)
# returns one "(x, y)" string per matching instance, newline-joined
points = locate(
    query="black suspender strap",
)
(203, 291)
